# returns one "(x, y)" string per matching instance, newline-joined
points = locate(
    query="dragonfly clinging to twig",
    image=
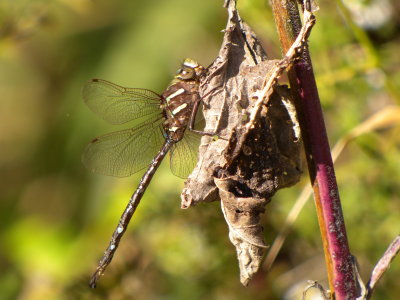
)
(163, 120)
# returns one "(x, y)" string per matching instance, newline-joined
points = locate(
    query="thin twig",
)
(383, 265)
(315, 285)
(273, 75)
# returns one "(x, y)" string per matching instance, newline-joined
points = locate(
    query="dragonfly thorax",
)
(179, 98)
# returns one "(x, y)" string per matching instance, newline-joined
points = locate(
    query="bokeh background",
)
(56, 217)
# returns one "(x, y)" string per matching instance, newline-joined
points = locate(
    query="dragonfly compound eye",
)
(186, 74)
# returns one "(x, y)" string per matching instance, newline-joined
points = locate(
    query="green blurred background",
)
(56, 217)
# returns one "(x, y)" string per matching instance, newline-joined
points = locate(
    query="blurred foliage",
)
(56, 217)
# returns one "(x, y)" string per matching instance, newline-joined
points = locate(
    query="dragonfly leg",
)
(193, 118)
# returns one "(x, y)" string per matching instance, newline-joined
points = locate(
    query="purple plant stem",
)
(326, 195)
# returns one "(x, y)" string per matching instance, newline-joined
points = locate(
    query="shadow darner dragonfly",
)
(162, 121)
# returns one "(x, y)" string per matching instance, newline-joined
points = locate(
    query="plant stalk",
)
(320, 165)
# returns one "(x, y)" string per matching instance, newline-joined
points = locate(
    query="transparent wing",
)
(124, 152)
(117, 104)
(184, 154)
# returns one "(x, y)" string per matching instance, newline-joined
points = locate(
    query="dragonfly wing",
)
(124, 152)
(117, 104)
(184, 154)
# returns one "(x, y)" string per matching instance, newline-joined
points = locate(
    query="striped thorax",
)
(179, 98)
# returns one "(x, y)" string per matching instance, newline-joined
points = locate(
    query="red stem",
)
(302, 81)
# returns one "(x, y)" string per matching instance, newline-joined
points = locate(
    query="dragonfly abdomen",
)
(129, 211)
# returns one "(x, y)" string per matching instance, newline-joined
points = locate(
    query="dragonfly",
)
(161, 123)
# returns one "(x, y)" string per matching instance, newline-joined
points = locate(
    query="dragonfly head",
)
(189, 71)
